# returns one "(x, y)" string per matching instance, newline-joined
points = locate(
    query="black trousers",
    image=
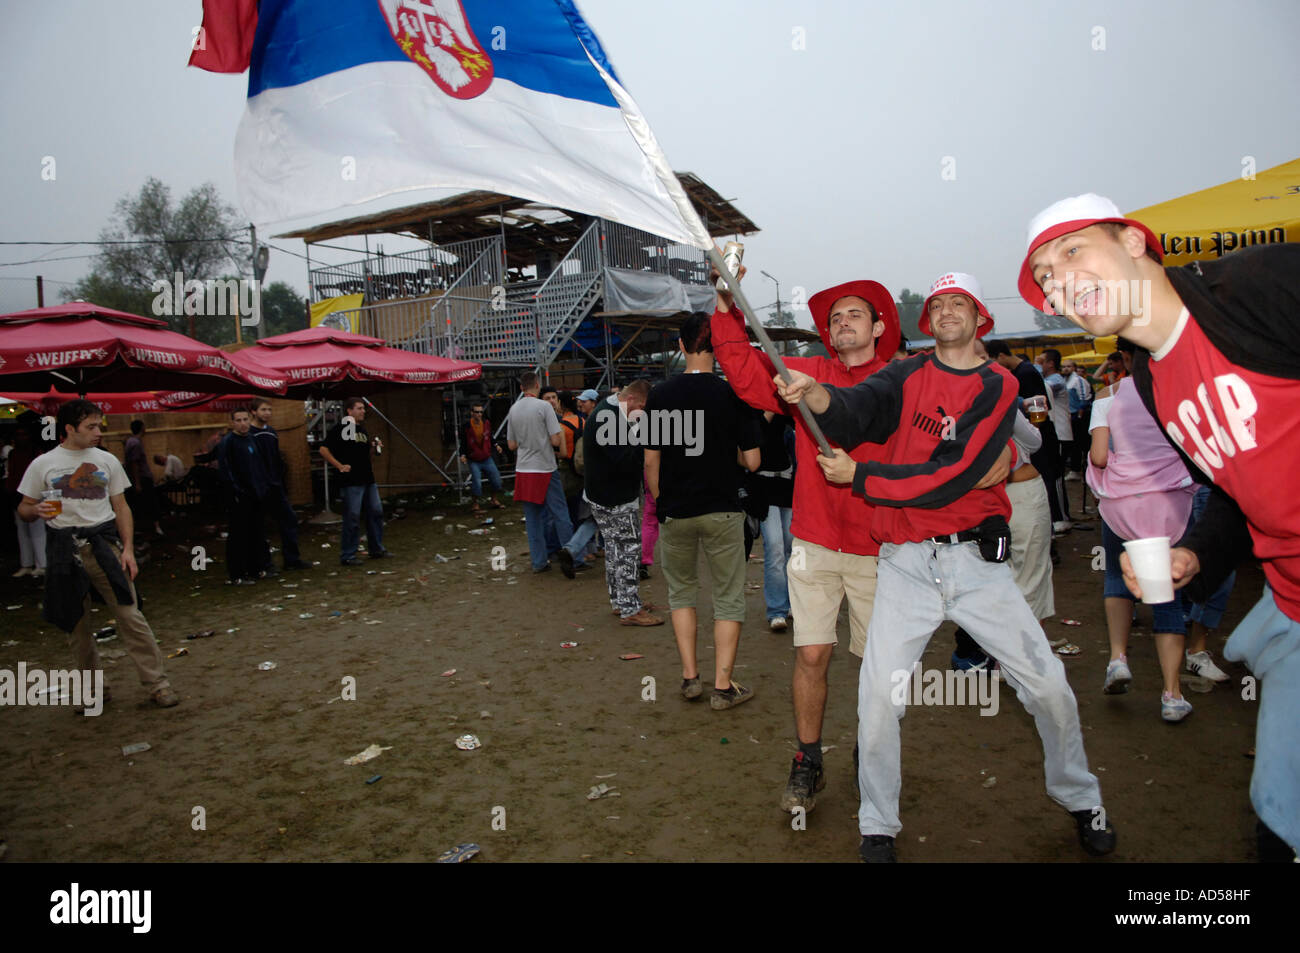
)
(276, 505)
(246, 546)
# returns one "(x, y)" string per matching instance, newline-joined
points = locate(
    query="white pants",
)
(918, 586)
(31, 542)
(1031, 545)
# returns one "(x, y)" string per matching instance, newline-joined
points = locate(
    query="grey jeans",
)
(918, 586)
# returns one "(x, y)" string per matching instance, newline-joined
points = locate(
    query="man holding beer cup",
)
(1216, 365)
(78, 489)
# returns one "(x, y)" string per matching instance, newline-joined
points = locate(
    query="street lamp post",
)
(778, 295)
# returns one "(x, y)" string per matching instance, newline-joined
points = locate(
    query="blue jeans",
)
(476, 470)
(1166, 617)
(359, 501)
(777, 543)
(582, 540)
(1268, 642)
(547, 523)
(1210, 612)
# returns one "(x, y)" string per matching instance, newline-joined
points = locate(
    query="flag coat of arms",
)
(359, 106)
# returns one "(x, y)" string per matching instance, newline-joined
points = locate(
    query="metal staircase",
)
(478, 317)
(567, 296)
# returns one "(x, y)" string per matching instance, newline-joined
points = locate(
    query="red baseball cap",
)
(872, 292)
(1062, 218)
(956, 282)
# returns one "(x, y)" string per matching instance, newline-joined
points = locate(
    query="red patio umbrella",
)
(324, 361)
(82, 347)
(144, 402)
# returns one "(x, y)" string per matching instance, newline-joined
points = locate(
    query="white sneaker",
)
(1174, 709)
(778, 624)
(1062, 526)
(1117, 677)
(24, 571)
(38, 573)
(1072, 475)
(1200, 663)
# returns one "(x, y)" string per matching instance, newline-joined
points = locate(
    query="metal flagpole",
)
(769, 348)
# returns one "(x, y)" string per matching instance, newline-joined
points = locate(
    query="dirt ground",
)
(262, 752)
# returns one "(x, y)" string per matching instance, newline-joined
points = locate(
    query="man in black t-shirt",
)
(696, 429)
(347, 449)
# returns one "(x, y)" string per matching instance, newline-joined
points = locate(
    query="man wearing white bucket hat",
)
(943, 419)
(1216, 366)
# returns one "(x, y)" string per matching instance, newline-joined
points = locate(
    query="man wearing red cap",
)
(943, 420)
(833, 554)
(1216, 366)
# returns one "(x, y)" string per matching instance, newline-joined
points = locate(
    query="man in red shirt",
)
(1216, 365)
(833, 554)
(940, 422)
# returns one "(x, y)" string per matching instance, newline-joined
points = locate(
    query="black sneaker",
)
(350, 562)
(566, 564)
(877, 849)
(806, 779)
(691, 688)
(1095, 840)
(298, 564)
(382, 554)
(546, 568)
(644, 572)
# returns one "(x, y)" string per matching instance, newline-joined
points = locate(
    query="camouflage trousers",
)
(621, 528)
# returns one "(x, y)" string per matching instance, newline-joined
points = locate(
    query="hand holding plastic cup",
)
(1153, 567)
(54, 498)
(1036, 408)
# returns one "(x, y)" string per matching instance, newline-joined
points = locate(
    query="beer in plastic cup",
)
(1153, 567)
(1036, 407)
(55, 499)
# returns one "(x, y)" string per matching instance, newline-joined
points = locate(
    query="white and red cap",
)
(1062, 218)
(956, 282)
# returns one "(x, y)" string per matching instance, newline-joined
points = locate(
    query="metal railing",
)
(567, 289)
(414, 274)
(631, 248)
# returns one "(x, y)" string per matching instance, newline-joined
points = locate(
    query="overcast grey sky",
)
(836, 150)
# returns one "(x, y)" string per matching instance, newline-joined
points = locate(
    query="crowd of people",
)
(943, 498)
(940, 499)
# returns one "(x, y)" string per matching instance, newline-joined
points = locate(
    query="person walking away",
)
(698, 431)
(533, 431)
(612, 471)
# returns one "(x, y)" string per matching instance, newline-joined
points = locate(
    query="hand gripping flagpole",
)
(692, 230)
(733, 283)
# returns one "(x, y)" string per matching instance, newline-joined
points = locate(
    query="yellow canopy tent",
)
(1212, 222)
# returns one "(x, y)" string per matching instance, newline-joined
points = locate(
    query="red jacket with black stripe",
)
(942, 430)
(823, 513)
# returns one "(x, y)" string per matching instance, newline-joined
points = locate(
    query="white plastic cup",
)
(1153, 566)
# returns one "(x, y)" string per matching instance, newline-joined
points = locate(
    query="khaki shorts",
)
(721, 538)
(819, 579)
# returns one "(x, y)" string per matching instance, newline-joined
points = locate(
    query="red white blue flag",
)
(360, 106)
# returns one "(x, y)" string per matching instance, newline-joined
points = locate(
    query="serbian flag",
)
(360, 106)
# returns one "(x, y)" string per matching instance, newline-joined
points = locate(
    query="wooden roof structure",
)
(530, 227)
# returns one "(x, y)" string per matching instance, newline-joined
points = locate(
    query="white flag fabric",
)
(359, 106)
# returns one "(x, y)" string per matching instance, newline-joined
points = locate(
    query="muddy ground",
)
(262, 752)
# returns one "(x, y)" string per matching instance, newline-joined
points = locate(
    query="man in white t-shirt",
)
(533, 431)
(89, 548)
